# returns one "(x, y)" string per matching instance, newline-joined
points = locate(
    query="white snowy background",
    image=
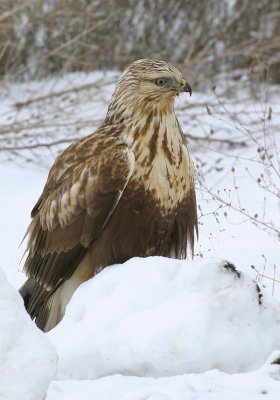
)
(151, 329)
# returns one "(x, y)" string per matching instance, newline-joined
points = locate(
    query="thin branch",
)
(51, 95)
(37, 145)
(210, 139)
(16, 9)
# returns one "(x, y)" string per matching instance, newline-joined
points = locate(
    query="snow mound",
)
(160, 317)
(261, 384)
(27, 359)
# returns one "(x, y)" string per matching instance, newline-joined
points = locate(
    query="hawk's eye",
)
(161, 81)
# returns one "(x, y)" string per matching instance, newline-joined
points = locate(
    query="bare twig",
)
(37, 145)
(210, 139)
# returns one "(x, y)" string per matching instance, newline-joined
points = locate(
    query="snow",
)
(194, 316)
(211, 385)
(22, 187)
(151, 328)
(27, 359)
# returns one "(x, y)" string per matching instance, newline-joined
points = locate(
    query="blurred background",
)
(204, 38)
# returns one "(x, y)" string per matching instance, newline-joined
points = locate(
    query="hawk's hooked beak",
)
(185, 86)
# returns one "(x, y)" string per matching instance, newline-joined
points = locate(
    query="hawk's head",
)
(153, 80)
(146, 85)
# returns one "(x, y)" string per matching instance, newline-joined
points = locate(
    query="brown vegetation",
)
(42, 37)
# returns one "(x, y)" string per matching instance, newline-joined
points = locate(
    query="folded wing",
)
(82, 191)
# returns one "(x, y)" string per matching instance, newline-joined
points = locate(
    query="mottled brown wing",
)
(82, 191)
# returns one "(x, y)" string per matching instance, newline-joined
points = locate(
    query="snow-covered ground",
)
(157, 329)
(160, 317)
(27, 359)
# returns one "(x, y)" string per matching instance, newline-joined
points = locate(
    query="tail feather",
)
(26, 290)
(37, 301)
(47, 307)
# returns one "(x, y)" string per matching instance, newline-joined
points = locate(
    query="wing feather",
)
(82, 191)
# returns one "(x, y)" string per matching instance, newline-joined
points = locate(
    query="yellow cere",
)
(183, 82)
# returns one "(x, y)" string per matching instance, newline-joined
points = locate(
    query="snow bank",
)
(160, 317)
(27, 359)
(211, 385)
